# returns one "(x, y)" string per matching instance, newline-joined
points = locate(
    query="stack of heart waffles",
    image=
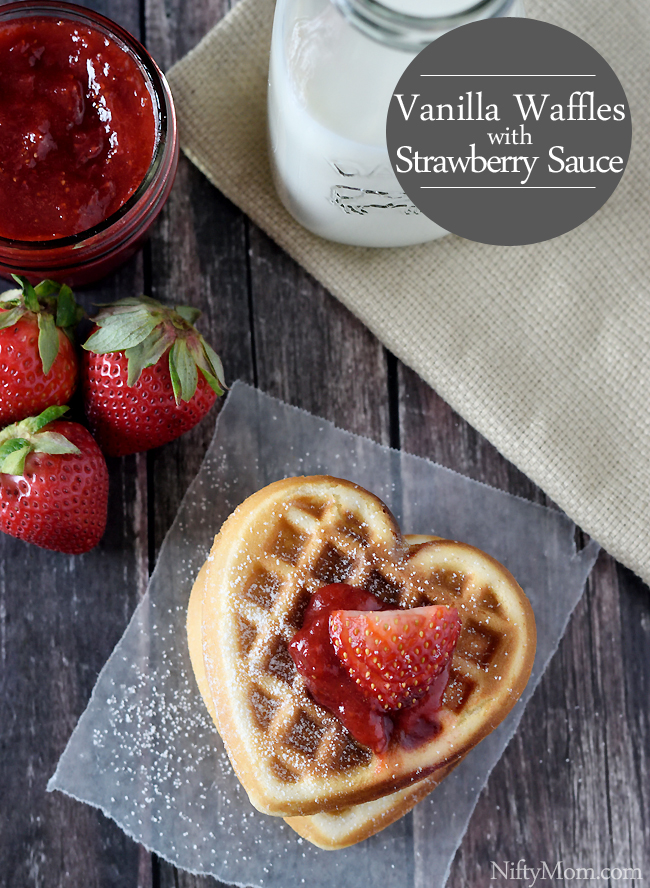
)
(294, 757)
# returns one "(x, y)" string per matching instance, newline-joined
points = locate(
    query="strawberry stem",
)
(47, 287)
(55, 308)
(36, 423)
(188, 313)
(145, 330)
(17, 441)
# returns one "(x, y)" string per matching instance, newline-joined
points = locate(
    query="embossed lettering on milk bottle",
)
(334, 66)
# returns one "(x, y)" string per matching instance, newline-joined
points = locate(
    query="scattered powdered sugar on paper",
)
(146, 752)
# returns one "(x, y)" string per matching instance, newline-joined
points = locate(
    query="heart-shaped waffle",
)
(329, 829)
(292, 756)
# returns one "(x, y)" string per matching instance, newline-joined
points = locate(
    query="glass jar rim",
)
(161, 101)
(413, 32)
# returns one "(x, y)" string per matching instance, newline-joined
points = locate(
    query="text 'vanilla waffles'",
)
(288, 552)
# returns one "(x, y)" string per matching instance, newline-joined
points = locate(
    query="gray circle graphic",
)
(509, 131)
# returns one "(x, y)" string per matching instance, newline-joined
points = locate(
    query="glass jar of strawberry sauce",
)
(88, 142)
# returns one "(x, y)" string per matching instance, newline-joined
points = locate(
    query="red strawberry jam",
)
(331, 686)
(77, 127)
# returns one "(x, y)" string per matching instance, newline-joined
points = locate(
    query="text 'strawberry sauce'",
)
(330, 685)
(77, 128)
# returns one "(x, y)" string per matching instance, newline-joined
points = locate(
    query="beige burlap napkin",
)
(544, 349)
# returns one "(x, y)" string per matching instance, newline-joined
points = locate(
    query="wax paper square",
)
(145, 751)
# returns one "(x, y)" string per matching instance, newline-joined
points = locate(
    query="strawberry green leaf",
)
(110, 311)
(29, 294)
(47, 297)
(26, 428)
(11, 446)
(212, 381)
(107, 313)
(147, 353)
(215, 363)
(68, 313)
(11, 317)
(176, 383)
(205, 359)
(44, 418)
(189, 314)
(13, 463)
(135, 363)
(186, 368)
(123, 331)
(195, 346)
(53, 443)
(47, 288)
(148, 300)
(48, 340)
(17, 441)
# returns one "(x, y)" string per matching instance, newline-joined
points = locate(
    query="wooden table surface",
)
(573, 786)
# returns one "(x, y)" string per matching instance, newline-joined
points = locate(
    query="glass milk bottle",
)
(333, 69)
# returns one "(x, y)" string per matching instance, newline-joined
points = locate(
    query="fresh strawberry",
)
(38, 364)
(395, 655)
(141, 380)
(53, 483)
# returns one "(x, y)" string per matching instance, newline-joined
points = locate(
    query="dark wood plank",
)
(60, 617)
(199, 258)
(196, 256)
(310, 351)
(59, 620)
(173, 27)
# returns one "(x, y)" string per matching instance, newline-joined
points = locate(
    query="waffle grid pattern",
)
(316, 543)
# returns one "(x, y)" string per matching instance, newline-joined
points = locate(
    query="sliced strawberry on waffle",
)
(395, 655)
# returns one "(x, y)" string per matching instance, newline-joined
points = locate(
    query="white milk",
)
(329, 91)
